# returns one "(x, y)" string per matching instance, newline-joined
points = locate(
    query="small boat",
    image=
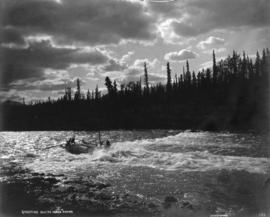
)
(78, 148)
(84, 147)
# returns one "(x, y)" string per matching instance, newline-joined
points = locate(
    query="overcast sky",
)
(48, 43)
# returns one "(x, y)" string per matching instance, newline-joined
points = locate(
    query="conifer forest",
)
(232, 95)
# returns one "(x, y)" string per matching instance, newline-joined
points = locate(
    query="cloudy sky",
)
(46, 44)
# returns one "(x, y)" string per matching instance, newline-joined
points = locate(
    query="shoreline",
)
(82, 196)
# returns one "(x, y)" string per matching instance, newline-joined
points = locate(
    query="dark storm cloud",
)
(30, 62)
(10, 73)
(195, 17)
(11, 36)
(74, 23)
(85, 21)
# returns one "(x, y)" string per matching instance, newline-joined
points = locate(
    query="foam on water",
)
(136, 154)
(151, 153)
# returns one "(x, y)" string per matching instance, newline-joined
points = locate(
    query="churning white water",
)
(204, 170)
(182, 151)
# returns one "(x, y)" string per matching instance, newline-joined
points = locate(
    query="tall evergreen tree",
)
(146, 83)
(264, 64)
(69, 94)
(187, 65)
(257, 64)
(181, 80)
(194, 80)
(214, 68)
(169, 79)
(114, 87)
(188, 74)
(78, 91)
(97, 93)
(108, 84)
(88, 95)
(244, 66)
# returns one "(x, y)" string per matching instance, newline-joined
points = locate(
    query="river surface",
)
(163, 172)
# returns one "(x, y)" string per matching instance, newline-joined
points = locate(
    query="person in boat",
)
(70, 142)
(76, 148)
(103, 144)
(107, 144)
(83, 147)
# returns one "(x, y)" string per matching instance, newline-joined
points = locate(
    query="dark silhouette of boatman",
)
(107, 144)
(103, 144)
(71, 141)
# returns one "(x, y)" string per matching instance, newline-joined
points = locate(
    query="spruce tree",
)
(146, 83)
(108, 84)
(169, 79)
(188, 74)
(214, 68)
(88, 95)
(78, 92)
(97, 93)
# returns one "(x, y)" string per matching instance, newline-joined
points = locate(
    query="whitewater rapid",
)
(183, 151)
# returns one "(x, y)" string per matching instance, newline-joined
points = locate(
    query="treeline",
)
(233, 95)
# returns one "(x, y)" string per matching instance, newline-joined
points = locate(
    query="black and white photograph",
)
(134, 108)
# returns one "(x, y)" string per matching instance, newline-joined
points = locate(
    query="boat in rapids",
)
(78, 148)
(83, 147)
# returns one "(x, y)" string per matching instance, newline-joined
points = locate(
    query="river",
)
(144, 173)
